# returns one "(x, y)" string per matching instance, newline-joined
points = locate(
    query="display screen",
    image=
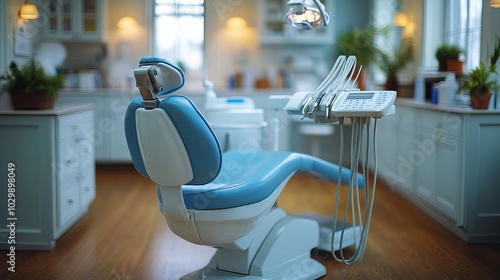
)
(367, 95)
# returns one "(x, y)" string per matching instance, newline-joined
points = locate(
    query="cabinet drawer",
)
(68, 205)
(75, 125)
(67, 160)
(87, 188)
(85, 151)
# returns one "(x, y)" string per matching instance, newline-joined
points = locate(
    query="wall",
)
(8, 15)
(225, 50)
(125, 46)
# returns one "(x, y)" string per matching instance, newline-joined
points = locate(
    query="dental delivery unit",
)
(228, 199)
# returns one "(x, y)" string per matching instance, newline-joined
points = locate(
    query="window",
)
(463, 28)
(179, 32)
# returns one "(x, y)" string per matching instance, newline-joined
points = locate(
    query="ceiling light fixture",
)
(126, 23)
(307, 14)
(400, 19)
(236, 23)
(28, 11)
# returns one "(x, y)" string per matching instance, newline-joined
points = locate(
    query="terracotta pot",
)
(481, 101)
(32, 101)
(392, 83)
(454, 65)
(442, 66)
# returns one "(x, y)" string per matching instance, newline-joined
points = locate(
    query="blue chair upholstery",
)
(226, 200)
(234, 178)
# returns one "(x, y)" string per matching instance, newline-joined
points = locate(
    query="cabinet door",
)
(395, 144)
(272, 26)
(482, 176)
(425, 162)
(439, 174)
(89, 12)
(448, 177)
(74, 20)
(29, 143)
(60, 19)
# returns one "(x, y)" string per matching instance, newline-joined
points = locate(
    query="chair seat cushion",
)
(250, 176)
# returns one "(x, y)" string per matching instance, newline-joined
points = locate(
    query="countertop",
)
(458, 109)
(185, 91)
(59, 109)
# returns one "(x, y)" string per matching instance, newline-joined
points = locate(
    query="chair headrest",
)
(198, 138)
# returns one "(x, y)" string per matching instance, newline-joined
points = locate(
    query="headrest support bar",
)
(156, 77)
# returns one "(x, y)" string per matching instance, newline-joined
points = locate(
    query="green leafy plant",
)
(454, 52)
(445, 52)
(397, 59)
(442, 53)
(480, 80)
(29, 78)
(361, 43)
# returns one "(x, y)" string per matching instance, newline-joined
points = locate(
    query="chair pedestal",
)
(274, 254)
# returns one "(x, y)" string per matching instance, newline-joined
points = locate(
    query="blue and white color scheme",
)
(226, 199)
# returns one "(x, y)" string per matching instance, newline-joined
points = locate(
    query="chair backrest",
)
(158, 150)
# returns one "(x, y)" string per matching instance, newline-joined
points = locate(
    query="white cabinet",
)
(54, 171)
(453, 157)
(439, 159)
(396, 152)
(74, 20)
(274, 30)
(109, 131)
(76, 177)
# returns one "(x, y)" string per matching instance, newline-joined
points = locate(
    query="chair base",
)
(283, 253)
(307, 269)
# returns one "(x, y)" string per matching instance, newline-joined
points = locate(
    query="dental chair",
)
(225, 200)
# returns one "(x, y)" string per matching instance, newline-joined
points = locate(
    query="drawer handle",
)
(75, 126)
(71, 200)
(87, 188)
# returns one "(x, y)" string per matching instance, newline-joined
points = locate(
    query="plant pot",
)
(442, 66)
(32, 101)
(392, 83)
(480, 101)
(454, 65)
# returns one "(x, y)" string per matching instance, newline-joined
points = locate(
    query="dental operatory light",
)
(28, 11)
(306, 14)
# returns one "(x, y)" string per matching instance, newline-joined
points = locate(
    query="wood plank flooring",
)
(125, 237)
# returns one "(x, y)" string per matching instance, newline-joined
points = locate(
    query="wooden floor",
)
(125, 237)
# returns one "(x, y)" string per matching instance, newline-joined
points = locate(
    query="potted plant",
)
(360, 42)
(453, 62)
(442, 54)
(480, 83)
(448, 57)
(29, 86)
(393, 62)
